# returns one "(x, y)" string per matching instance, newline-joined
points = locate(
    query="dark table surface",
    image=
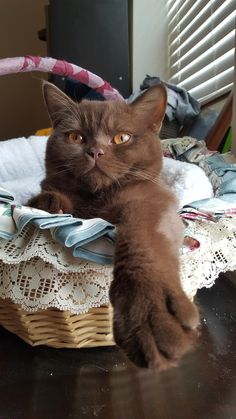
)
(45, 383)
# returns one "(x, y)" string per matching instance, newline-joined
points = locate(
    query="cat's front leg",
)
(54, 202)
(154, 322)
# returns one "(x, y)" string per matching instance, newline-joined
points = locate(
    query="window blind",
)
(201, 42)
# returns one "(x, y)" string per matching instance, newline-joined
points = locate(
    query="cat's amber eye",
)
(121, 138)
(75, 137)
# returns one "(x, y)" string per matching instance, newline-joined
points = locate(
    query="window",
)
(201, 42)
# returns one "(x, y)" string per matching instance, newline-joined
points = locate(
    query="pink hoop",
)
(60, 68)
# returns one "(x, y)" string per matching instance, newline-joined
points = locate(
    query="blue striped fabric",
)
(88, 239)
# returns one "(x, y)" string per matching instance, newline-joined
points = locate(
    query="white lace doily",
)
(217, 253)
(37, 272)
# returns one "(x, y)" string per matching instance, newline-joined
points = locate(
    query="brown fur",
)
(154, 322)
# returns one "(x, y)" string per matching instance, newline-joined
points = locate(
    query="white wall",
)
(149, 40)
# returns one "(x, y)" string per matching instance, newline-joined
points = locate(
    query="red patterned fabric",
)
(61, 68)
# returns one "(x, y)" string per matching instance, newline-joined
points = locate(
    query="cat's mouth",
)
(95, 167)
(96, 178)
(94, 172)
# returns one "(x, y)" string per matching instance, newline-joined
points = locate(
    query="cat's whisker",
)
(134, 172)
(57, 166)
(144, 174)
(120, 165)
(62, 171)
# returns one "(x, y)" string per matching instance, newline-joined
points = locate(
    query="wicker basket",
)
(52, 327)
(59, 329)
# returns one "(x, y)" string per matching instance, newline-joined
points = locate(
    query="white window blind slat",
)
(218, 66)
(170, 3)
(215, 94)
(194, 18)
(219, 33)
(201, 28)
(174, 7)
(201, 41)
(184, 13)
(206, 89)
(211, 54)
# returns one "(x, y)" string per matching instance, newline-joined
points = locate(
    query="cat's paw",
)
(154, 325)
(53, 202)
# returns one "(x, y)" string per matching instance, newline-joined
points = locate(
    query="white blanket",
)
(22, 170)
(22, 166)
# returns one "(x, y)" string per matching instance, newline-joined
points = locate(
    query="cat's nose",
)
(95, 153)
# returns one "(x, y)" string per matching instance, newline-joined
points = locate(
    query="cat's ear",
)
(58, 103)
(150, 107)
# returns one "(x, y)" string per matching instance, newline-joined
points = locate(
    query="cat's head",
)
(101, 143)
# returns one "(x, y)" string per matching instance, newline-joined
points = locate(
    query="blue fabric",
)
(89, 239)
(180, 104)
(220, 168)
(221, 205)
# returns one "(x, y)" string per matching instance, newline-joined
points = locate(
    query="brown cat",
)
(104, 160)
